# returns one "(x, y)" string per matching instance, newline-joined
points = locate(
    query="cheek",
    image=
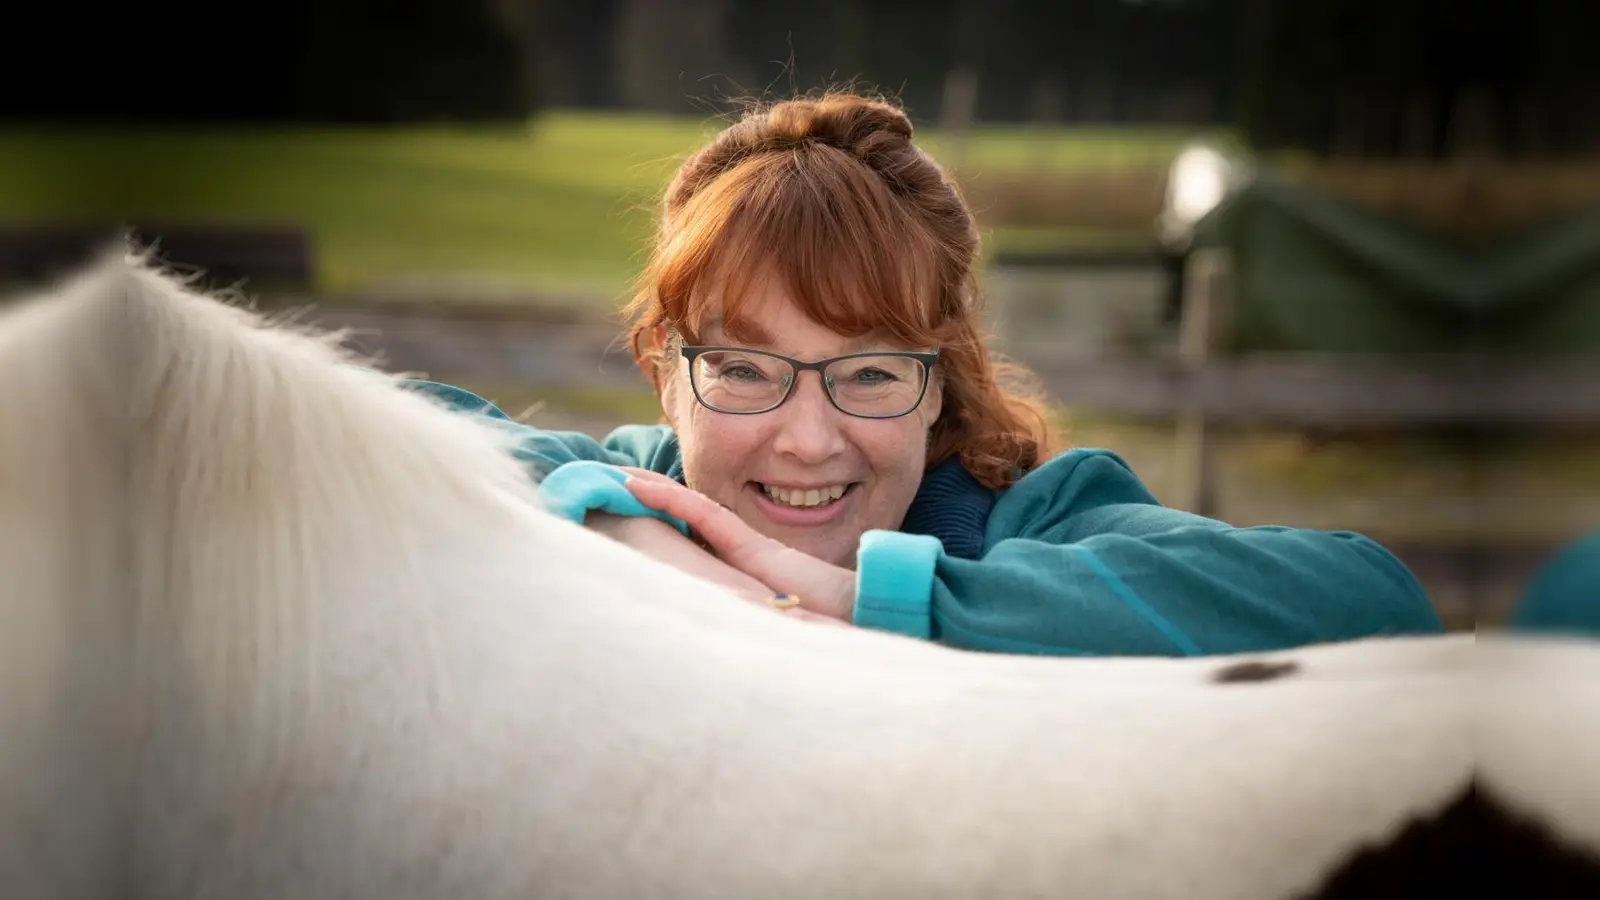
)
(718, 449)
(897, 454)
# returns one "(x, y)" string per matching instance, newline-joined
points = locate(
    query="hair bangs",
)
(815, 218)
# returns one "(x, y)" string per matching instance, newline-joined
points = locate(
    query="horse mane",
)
(271, 469)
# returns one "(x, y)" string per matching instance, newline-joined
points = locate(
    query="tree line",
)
(1383, 78)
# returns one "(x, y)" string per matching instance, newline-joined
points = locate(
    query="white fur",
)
(273, 627)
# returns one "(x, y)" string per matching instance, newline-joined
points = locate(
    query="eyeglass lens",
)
(750, 381)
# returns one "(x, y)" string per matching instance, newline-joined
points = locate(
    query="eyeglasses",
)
(745, 382)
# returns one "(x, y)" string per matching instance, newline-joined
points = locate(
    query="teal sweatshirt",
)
(1075, 558)
(1564, 595)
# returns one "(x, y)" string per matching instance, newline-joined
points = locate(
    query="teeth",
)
(818, 497)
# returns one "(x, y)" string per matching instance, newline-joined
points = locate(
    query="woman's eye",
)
(872, 376)
(739, 372)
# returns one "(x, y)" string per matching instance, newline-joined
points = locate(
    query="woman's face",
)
(776, 470)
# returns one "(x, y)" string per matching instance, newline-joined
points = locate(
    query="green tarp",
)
(1314, 273)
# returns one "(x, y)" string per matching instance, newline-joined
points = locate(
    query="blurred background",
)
(1325, 263)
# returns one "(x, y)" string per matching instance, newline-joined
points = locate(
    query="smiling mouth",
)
(810, 498)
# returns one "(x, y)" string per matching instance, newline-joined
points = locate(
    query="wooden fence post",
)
(957, 108)
(1203, 328)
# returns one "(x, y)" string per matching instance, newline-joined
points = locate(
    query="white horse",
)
(274, 627)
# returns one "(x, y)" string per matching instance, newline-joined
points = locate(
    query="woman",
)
(837, 433)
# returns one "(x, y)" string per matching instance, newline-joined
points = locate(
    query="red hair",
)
(868, 234)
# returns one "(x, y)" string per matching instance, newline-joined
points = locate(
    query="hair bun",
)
(861, 126)
(873, 131)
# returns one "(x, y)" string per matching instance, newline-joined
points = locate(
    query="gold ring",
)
(784, 601)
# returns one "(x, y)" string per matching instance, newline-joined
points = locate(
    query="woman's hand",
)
(662, 542)
(823, 588)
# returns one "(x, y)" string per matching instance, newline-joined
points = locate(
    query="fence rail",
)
(1310, 391)
(1294, 390)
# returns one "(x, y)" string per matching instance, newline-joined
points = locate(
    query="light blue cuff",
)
(894, 582)
(576, 487)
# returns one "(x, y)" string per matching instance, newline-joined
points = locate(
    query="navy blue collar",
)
(952, 506)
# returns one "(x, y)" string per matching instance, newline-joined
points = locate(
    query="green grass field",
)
(564, 205)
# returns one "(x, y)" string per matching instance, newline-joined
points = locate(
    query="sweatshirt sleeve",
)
(652, 447)
(575, 472)
(1564, 594)
(1081, 560)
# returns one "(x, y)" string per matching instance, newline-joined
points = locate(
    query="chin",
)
(838, 553)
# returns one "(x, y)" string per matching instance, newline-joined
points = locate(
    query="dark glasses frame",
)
(692, 352)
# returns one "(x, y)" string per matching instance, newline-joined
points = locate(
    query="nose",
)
(808, 426)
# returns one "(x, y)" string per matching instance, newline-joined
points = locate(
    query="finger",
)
(658, 496)
(645, 474)
(720, 527)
